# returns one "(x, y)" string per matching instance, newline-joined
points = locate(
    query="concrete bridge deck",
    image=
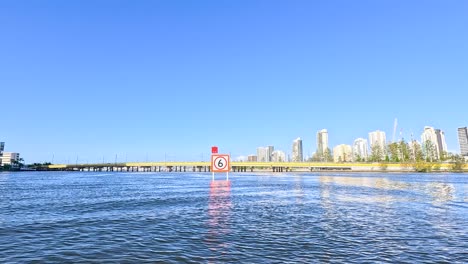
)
(202, 166)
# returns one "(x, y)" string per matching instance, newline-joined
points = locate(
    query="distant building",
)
(252, 158)
(262, 154)
(322, 141)
(270, 150)
(297, 150)
(342, 153)
(377, 138)
(437, 139)
(441, 144)
(278, 156)
(463, 140)
(9, 158)
(360, 149)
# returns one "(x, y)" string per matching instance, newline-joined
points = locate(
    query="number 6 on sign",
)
(220, 163)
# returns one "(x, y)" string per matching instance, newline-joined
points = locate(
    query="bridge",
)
(202, 166)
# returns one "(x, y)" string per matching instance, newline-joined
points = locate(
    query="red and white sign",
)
(220, 163)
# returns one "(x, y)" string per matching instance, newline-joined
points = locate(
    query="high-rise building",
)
(463, 140)
(377, 138)
(270, 150)
(441, 144)
(278, 156)
(322, 141)
(262, 154)
(297, 150)
(437, 138)
(360, 149)
(342, 153)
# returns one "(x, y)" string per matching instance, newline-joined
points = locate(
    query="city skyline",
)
(161, 80)
(359, 146)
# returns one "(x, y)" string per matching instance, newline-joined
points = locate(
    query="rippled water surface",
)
(255, 218)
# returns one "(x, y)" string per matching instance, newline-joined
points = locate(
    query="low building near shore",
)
(252, 158)
(9, 158)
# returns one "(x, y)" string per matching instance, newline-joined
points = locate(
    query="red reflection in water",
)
(219, 209)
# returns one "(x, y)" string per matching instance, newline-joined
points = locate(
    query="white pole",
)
(212, 176)
(227, 176)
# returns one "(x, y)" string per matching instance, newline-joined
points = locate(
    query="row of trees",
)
(404, 152)
(423, 157)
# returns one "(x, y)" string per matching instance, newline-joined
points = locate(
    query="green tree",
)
(404, 150)
(19, 163)
(444, 156)
(317, 156)
(416, 153)
(429, 151)
(327, 155)
(458, 163)
(376, 153)
(358, 158)
(394, 152)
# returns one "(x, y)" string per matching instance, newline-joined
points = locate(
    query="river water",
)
(254, 218)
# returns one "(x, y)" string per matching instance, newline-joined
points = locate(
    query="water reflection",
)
(219, 211)
(440, 192)
(299, 189)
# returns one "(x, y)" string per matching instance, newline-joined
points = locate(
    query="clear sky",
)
(169, 79)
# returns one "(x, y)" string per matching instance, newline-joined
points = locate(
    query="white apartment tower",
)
(437, 139)
(297, 150)
(377, 138)
(463, 140)
(360, 149)
(342, 153)
(322, 141)
(262, 154)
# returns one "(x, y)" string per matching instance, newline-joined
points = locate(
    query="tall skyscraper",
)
(297, 150)
(360, 149)
(441, 144)
(437, 138)
(342, 153)
(322, 141)
(463, 140)
(270, 150)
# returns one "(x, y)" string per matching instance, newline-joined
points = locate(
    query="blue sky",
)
(169, 79)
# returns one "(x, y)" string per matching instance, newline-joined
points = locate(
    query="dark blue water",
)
(282, 218)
